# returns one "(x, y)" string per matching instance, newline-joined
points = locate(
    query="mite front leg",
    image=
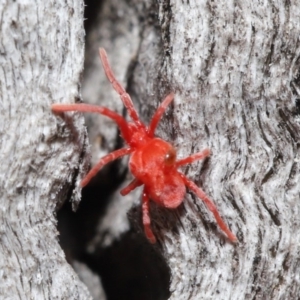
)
(158, 114)
(82, 107)
(118, 87)
(146, 218)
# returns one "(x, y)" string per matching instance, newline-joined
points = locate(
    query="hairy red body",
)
(153, 161)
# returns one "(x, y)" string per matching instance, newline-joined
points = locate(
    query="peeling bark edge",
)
(41, 54)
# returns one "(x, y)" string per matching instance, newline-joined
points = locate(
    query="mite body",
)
(153, 161)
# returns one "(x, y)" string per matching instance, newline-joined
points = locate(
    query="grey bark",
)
(234, 68)
(42, 158)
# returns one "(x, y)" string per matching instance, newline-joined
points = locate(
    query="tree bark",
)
(234, 69)
(42, 160)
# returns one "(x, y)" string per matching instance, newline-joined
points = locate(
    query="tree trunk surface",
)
(42, 161)
(234, 69)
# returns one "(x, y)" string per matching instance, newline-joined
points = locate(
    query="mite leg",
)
(130, 187)
(103, 161)
(159, 112)
(146, 218)
(210, 205)
(118, 87)
(192, 158)
(82, 107)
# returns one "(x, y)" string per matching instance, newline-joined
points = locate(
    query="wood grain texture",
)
(234, 67)
(232, 64)
(42, 158)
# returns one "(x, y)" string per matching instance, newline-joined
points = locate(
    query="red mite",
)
(153, 161)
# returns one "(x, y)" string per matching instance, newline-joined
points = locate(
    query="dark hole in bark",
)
(130, 268)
